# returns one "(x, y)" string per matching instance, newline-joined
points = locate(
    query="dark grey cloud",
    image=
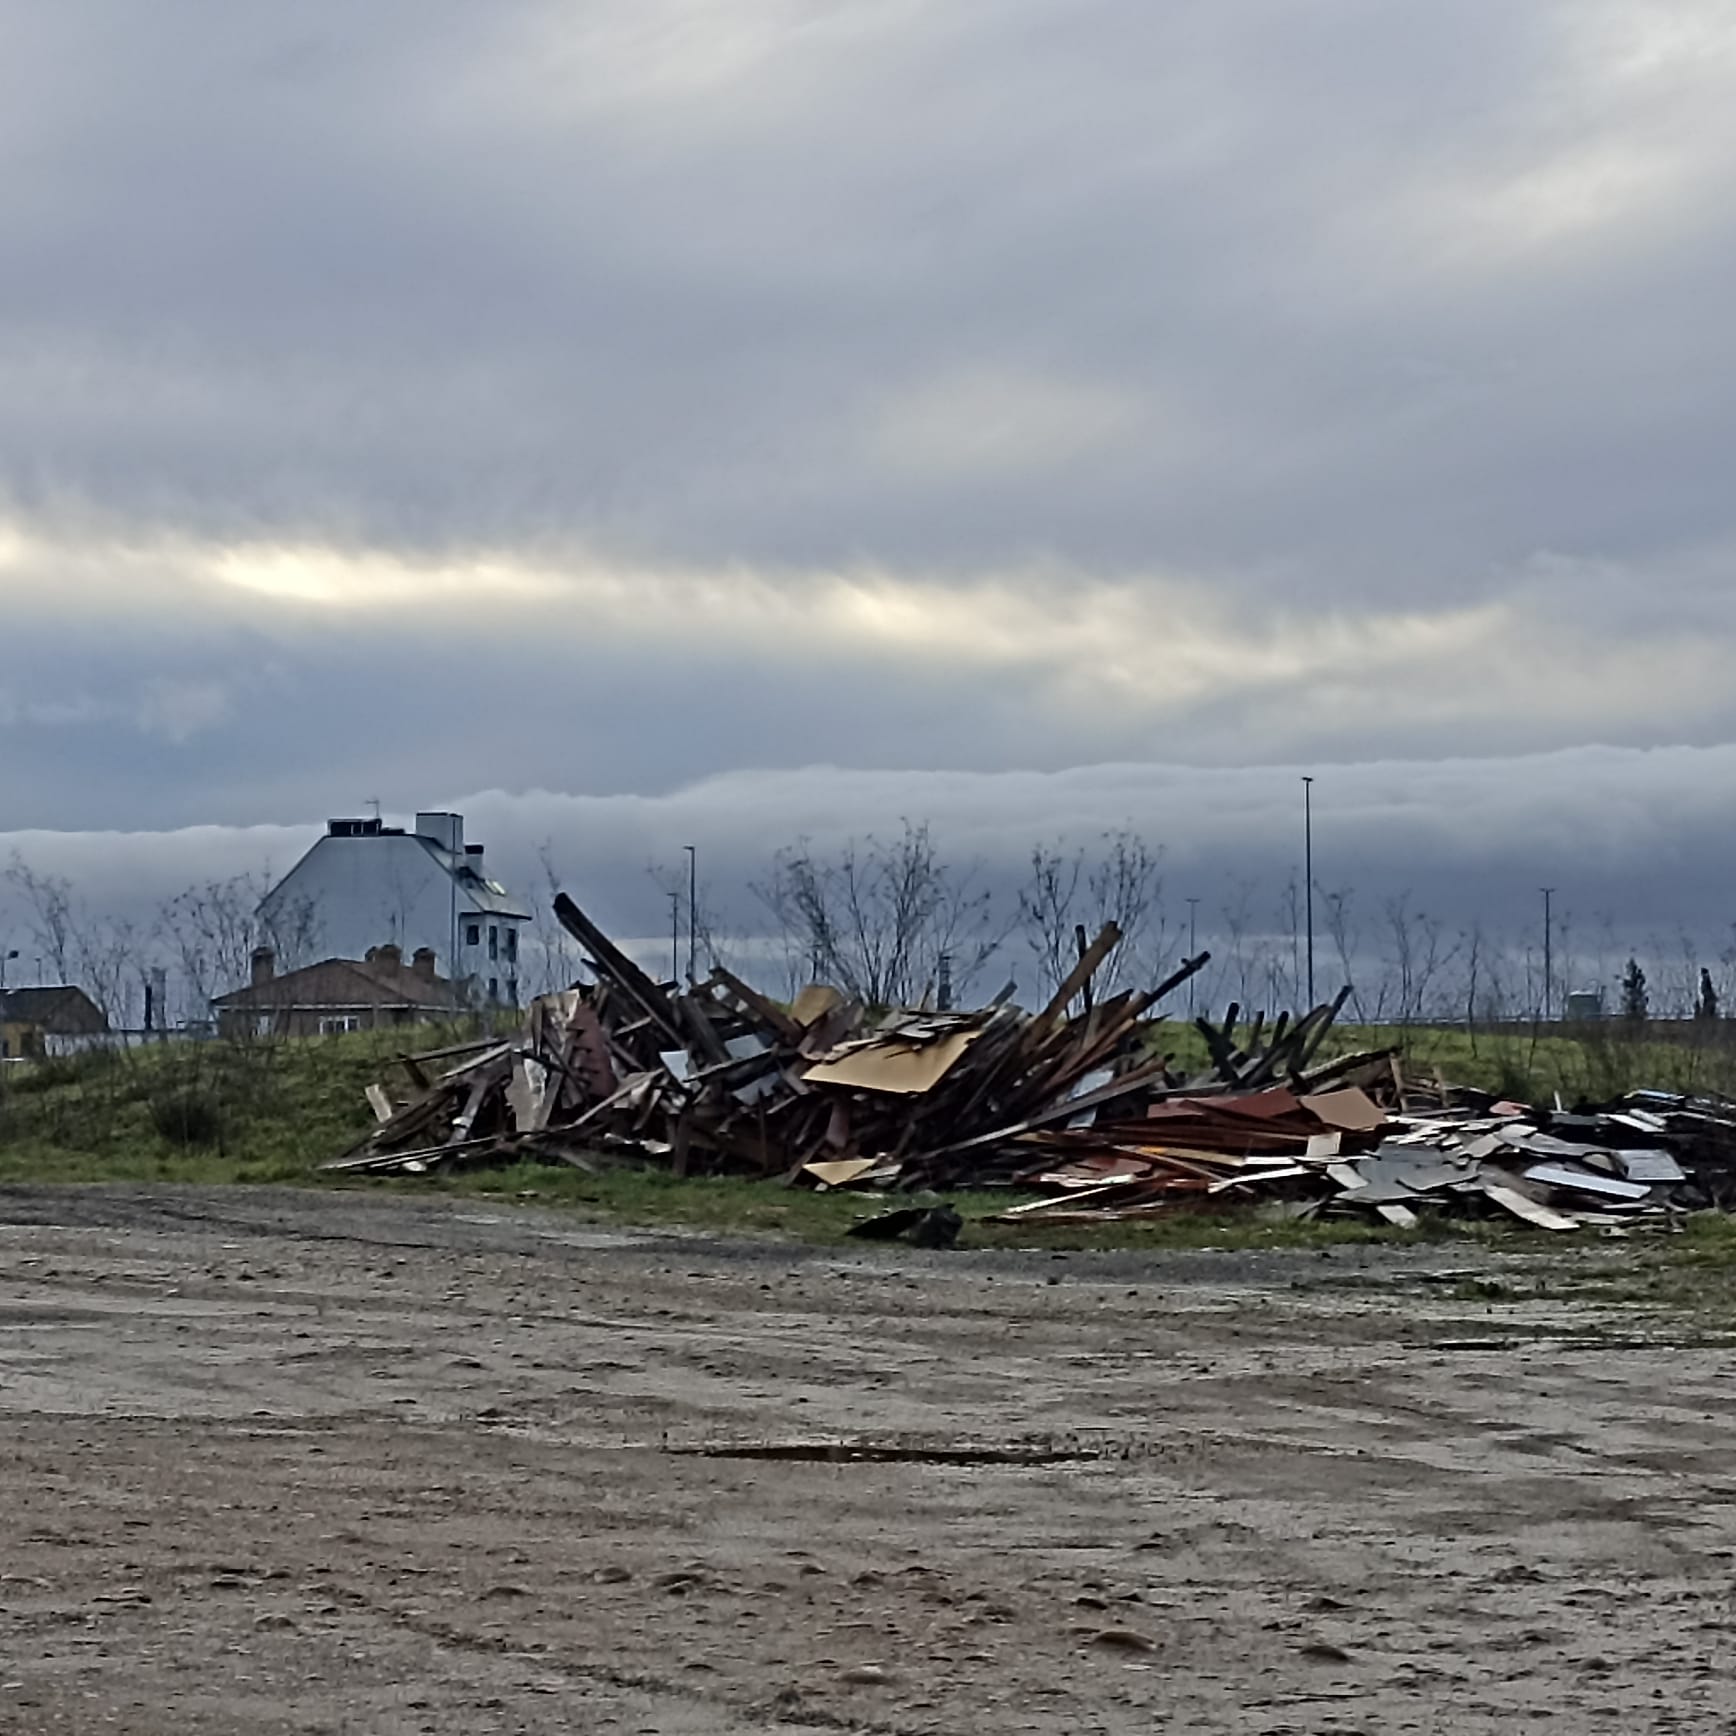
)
(1391, 297)
(650, 389)
(1634, 842)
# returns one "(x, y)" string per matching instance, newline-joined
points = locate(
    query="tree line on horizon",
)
(892, 920)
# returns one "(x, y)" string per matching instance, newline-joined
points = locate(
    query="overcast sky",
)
(644, 420)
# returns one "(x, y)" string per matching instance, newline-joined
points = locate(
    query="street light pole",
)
(675, 936)
(1548, 955)
(1308, 874)
(1193, 948)
(692, 913)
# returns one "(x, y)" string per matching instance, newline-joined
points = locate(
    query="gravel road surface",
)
(284, 1461)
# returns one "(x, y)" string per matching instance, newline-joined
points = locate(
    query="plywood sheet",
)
(813, 1003)
(839, 1172)
(894, 1067)
(1350, 1110)
(1510, 1199)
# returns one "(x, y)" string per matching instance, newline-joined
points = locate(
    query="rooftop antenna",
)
(374, 803)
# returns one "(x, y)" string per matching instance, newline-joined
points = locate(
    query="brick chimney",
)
(388, 955)
(264, 965)
(424, 962)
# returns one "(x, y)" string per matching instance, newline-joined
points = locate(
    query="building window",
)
(512, 991)
(512, 943)
(473, 934)
(339, 1023)
(493, 941)
(494, 988)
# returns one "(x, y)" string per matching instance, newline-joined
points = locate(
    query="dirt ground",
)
(293, 1462)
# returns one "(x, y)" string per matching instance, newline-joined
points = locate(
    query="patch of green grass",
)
(1582, 1063)
(215, 1113)
(1692, 1273)
(205, 1112)
(1591, 1063)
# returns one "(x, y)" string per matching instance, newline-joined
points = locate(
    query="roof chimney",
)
(264, 965)
(424, 963)
(388, 955)
(444, 830)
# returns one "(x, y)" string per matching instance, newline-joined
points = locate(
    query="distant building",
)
(424, 889)
(49, 1021)
(338, 994)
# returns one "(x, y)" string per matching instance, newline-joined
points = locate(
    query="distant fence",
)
(1610, 1028)
(58, 1047)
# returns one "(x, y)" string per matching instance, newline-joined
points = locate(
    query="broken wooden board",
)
(893, 1067)
(1349, 1110)
(813, 1003)
(838, 1172)
(1541, 1216)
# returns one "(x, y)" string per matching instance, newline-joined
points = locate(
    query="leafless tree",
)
(877, 919)
(556, 963)
(1417, 954)
(1684, 978)
(1473, 982)
(1069, 891)
(1235, 920)
(212, 931)
(1287, 991)
(1346, 940)
(111, 968)
(48, 901)
(102, 956)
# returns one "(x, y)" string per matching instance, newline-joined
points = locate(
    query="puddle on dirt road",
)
(887, 1453)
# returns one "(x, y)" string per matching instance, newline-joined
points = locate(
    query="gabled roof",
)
(479, 894)
(347, 982)
(483, 895)
(489, 896)
(62, 1011)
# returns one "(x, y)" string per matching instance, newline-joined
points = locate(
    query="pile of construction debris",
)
(718, 1079)
(1354, 1151)
(1077, 1103)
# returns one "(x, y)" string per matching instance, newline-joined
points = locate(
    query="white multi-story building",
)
(366, 884)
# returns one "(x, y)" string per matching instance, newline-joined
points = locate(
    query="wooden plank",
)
(1510, 1199)
(839, 1172)
(618, 967)
(705, 1036)
(452, 1049)
(769, 1013)
(1350, 1110)
(479, 1092)
(1080, 975)
(1127, 1083)
(893, 1067)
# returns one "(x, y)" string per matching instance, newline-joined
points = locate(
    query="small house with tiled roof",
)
(339, 994)
(48, 1021)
